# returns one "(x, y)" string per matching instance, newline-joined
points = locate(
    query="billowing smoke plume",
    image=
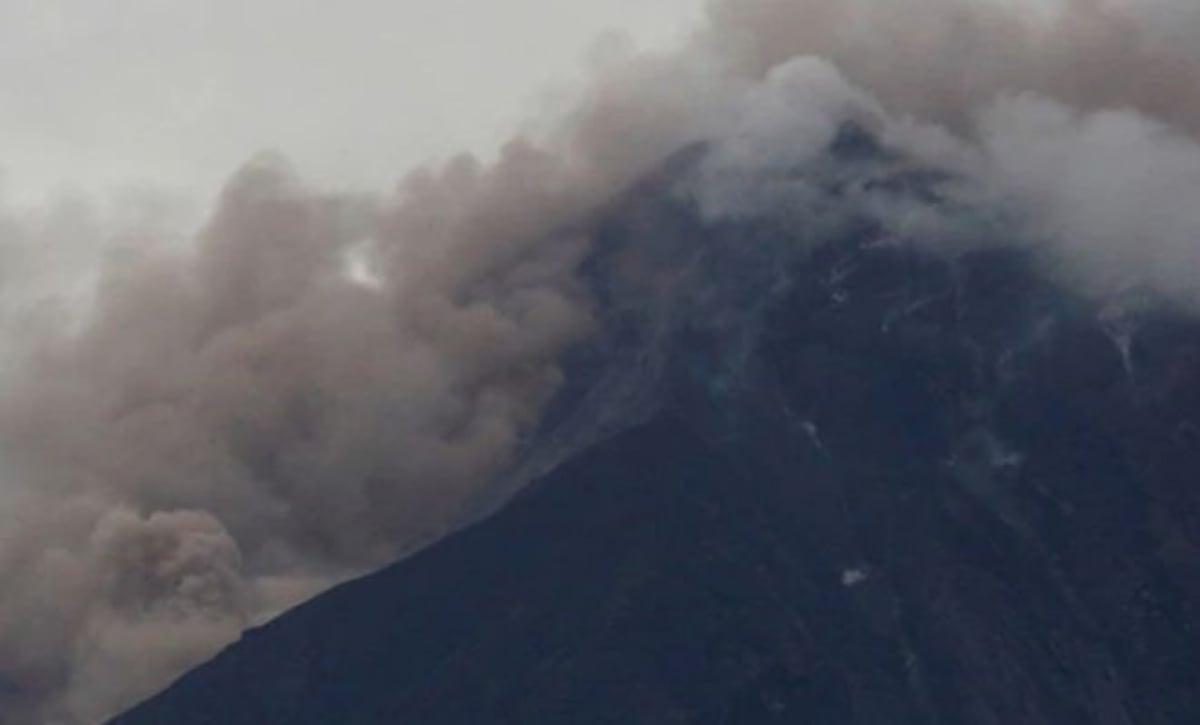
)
(196, 434)
(1079, 118)
(314, 385)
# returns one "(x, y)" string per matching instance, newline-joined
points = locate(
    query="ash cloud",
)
(239, 412)
(198, 433)
(1081, 122)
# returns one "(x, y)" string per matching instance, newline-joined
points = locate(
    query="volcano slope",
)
(810, 472)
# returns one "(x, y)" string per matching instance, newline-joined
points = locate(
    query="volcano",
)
(808, 471)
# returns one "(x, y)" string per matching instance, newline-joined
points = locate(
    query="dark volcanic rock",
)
(614, 593)
(875, 486)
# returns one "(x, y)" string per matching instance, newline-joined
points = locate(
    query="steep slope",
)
(873, 483)
(614, 593)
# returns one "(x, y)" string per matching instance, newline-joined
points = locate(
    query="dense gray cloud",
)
(1085, 118)
(197, 431)
(1112, 192)
(940, 59)
(243, 408)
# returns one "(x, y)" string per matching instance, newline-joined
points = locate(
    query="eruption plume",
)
(196, 435)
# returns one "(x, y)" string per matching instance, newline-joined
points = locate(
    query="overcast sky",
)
(176, 93)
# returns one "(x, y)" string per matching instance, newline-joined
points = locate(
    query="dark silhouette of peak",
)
(840, 479)
(616, 592)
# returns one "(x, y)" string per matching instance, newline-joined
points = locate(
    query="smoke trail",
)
(195, 436)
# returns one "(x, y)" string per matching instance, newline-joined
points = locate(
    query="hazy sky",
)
(177, 93)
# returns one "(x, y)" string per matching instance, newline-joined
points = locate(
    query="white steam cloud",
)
(195, 435)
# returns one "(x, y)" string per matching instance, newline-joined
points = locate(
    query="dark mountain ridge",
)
(814, 472)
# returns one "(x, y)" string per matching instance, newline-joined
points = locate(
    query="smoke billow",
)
(240, 421)
(197, 434)
(1083, 119)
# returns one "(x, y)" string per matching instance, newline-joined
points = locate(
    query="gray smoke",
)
(239, 422)
(197, 432)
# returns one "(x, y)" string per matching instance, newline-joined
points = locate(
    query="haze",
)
(175, 95)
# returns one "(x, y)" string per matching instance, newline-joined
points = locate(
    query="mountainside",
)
(814, 473)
